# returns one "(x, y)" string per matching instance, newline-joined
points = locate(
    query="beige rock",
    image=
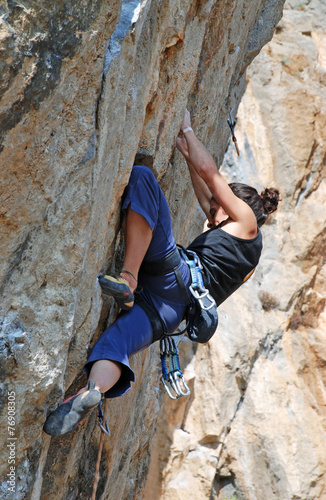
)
(84, 86)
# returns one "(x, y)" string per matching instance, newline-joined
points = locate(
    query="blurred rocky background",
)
(86, 88)
(255, 425)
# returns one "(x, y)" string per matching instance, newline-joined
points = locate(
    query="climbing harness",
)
(105, 430)
(201, 323)
(201, 315)
(231, 124)
(201, 318)
(160, 267)
(172, 377)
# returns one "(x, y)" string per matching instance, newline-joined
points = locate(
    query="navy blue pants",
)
(132, 331)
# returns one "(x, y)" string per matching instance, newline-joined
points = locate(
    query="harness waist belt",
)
(162, 266)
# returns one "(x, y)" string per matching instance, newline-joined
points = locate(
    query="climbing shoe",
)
(118, 288)
(72, 411)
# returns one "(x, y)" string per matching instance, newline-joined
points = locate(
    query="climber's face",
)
(217, 213)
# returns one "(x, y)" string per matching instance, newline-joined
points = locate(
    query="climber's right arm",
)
(201, 189)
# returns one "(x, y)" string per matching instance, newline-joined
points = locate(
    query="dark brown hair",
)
(262, 204)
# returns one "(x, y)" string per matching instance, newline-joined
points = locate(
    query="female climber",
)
(155, 278)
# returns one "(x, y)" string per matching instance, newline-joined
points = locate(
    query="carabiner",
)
(100, 417)
(202, 296)
(169, 393)
(164, 354)
(185, 391)
(171, 372)
(231, 124)
(174, 384)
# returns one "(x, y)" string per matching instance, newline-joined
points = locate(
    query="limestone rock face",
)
(84, 86)
(254, 427)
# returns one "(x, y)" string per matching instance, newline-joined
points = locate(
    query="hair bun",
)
(270, 198)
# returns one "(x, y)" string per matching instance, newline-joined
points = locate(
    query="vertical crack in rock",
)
(316, 173)
(130, 12)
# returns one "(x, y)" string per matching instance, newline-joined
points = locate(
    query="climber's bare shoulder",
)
(240, 229)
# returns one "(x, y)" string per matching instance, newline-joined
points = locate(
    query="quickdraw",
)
(101, 419)
(197, 287)
(172, 377)
(231, 124)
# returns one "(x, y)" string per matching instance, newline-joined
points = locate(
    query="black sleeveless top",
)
(228, 261)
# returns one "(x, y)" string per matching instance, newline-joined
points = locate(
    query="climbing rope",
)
(104, 430)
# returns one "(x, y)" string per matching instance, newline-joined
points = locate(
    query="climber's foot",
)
(119, 289)
(72, 411)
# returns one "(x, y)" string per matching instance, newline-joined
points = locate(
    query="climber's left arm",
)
(204, 165)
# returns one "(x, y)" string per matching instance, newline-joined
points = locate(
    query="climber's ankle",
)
(131, 278)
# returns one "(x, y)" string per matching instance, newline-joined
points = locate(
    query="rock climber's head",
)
(261, 204)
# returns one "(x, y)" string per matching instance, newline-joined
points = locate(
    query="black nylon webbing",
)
(162, 266)
(158, 268)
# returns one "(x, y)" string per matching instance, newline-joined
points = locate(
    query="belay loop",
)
(172, 377)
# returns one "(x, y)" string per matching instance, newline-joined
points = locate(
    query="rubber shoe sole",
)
(72, 411)
(118, 288)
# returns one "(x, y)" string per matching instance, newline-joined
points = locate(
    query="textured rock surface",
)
(84, 86)
(255, 428)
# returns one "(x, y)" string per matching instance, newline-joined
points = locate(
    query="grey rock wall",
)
(85, 86)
